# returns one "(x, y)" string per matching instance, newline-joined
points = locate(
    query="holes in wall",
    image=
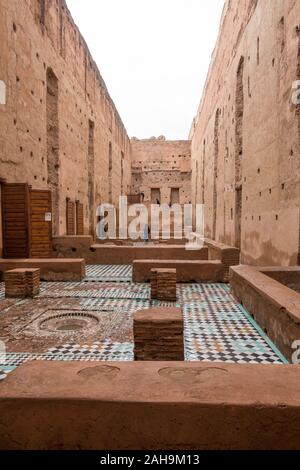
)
(110, 168)
(239, 114)
(203, 170)
(122, 172)
(53, 143)
(281, 31)
(42, 12)
(216, 159)
(249, 88)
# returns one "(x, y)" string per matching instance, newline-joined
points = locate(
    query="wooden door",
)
(70, 215)
(79, 219)
(40, 224)
(15, 220)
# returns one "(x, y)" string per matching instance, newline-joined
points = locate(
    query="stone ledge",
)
(52, 269)
(275, 307)
(74, 247)
(146, 405)
(187, 271)
(228, 255)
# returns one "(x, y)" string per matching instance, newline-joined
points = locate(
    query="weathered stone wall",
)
(161, 166)
(245, 138)
(58, 124)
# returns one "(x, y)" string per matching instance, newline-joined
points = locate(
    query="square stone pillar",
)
(166, 284)
(22, 283)
(158, 335)
(153, 280)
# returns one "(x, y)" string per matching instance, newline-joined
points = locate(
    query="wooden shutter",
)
(70, 217)
(79, 218)
(15, 220)
(40, 224)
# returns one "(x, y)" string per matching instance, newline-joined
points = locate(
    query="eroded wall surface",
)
(59, 126)
(245, 137)
(161, 169)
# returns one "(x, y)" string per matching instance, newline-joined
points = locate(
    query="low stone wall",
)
(51, 269)
(110, 253)
(275, 307)
(128, 242)
(71, 246)
(150, 406)
(187, 271)
(228, 255)
(288, 276)
(158, 334)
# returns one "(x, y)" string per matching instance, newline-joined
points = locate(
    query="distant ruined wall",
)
(245, 137)
(59, 124)
(161, 169)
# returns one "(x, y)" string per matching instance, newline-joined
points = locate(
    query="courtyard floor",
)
(92, 320)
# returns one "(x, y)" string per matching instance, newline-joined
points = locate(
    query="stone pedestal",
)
(166, 284)
(153, 284)
(33, 281)
(158, 335)
(22, 283)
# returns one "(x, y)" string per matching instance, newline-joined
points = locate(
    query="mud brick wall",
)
(161, 169)
(245, 138)
(59, 126)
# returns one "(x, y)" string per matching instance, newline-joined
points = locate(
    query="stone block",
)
(158, 335)
(166, 284)
(22, 283)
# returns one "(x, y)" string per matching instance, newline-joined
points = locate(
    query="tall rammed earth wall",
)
(59, 127)
(245, 137)
(161, 169)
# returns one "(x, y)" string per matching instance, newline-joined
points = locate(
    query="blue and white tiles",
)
(216, 327)
(121, 273)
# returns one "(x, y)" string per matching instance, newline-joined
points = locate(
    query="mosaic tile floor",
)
(217, 328)
(121, 273)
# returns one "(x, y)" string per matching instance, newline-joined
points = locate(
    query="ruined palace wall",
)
(246, 139)
(58, 120)
(163, 165)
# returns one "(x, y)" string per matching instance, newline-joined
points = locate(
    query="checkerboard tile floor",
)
(2, 290)
(217, 328)
(121, 273)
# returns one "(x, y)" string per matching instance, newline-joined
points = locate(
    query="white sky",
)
(154, 57)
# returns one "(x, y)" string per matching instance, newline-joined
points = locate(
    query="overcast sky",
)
(154, 57)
